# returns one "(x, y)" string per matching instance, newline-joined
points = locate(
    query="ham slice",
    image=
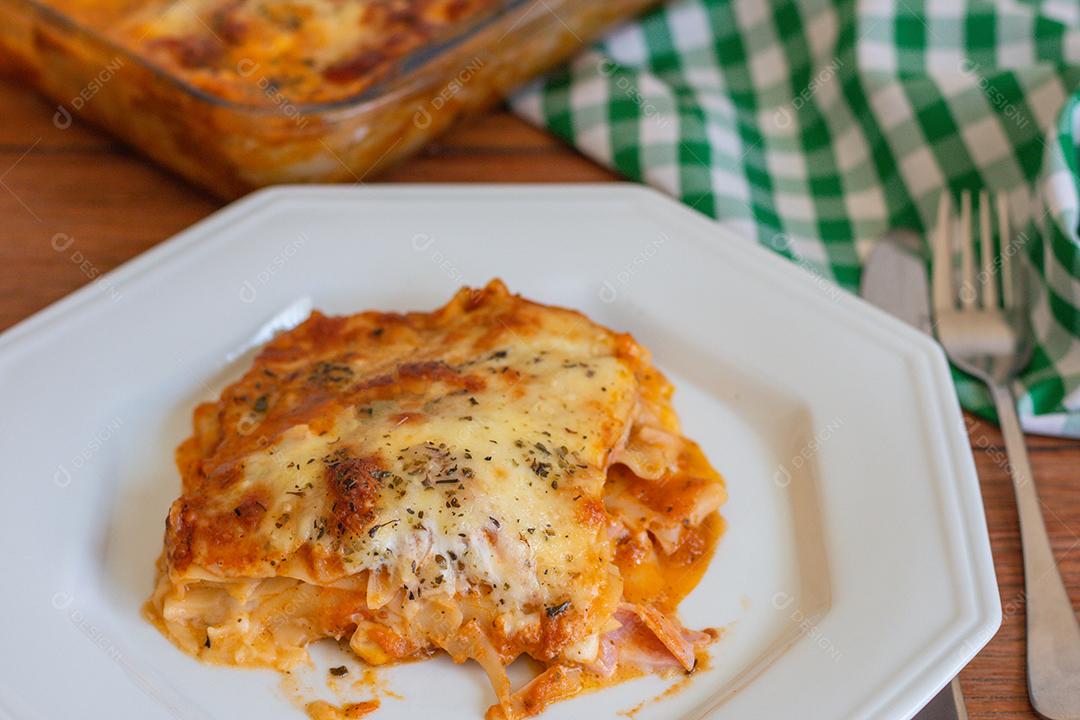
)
(672, 647)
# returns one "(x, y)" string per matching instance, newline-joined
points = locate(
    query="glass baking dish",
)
(234, 115)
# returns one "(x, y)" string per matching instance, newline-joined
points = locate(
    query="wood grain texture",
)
(80, 184)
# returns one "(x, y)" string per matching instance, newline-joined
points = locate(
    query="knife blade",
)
(894, 279)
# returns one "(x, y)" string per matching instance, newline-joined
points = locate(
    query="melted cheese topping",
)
(479, 479)
(267, 52)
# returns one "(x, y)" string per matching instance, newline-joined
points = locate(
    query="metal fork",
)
(987, 333)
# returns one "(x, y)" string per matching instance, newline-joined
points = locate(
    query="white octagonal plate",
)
(853, 581)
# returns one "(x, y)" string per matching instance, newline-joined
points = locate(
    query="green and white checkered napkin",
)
(814, 127)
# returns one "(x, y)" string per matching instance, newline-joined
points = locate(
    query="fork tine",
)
(942, 256)
(969, 291)
(989, 281)
(1008, 289)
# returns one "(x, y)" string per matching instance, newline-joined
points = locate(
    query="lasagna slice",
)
(493, 479)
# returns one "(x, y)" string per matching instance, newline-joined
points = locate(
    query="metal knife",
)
(894, 279)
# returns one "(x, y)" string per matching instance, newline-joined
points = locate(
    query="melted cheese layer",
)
(279, 52)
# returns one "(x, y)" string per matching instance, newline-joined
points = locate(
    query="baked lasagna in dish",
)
(241, 94)
(493, 479)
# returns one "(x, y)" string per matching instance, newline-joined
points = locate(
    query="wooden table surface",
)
(111, 205)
